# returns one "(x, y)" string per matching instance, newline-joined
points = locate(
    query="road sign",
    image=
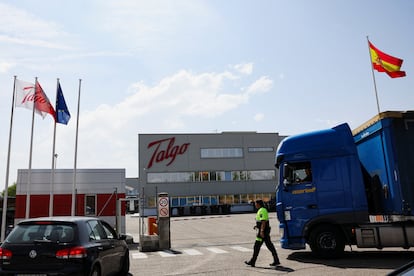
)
(163, 207)
(163, 201)
(164, 212)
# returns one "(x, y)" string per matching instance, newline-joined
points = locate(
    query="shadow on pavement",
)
(359, 259)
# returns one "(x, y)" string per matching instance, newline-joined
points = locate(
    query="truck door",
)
(299, 196)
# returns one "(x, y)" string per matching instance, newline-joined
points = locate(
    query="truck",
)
(339, 187)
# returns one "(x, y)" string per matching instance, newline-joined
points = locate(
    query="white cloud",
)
(150, 23)
(176, 103)
(259, 117)
(5, 66)
(262, 85)
(18, 26)
(245, 68)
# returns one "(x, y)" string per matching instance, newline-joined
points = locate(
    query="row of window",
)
(231, 152)
(177, 201)
(165, 177)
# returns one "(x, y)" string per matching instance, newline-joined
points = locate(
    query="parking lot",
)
(219, 245)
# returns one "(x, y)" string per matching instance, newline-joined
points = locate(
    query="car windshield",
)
(42, 231)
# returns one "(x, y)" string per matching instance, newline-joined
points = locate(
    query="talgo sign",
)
(166, 150)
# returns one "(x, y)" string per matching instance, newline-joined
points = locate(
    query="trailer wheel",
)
(327, 242)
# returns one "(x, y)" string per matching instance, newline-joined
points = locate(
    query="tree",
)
(11, 191)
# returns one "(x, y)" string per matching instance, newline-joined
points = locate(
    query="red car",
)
(64, 246)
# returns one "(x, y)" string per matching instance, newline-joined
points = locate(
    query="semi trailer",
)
(340, 187)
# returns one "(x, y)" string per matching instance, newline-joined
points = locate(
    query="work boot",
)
(249, 263)
(276, 261)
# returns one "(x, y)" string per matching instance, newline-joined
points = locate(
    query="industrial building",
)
(207, 173)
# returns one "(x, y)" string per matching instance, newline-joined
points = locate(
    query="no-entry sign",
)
(163, 207)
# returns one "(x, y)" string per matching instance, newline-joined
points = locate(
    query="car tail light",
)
(5, 254)
(71, 253)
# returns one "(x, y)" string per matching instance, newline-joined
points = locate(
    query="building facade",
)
(98, 192)
(207, 172)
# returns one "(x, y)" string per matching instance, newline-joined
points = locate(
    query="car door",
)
(118, 249)
(104, 247)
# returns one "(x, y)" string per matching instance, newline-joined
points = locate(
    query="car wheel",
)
(327, 242)
(96, 271)
(125, 265)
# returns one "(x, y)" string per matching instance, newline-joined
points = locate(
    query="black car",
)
(64, 246)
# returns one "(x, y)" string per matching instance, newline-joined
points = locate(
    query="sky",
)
(193, 66)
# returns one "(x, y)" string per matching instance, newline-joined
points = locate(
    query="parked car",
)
(63, 246)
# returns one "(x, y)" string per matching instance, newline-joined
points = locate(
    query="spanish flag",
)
(385, 63)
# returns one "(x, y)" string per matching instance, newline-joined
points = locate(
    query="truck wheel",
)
(327, 242)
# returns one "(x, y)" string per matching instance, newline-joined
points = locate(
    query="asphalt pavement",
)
(219, 245)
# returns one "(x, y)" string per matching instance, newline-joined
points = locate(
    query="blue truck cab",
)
(338, 187)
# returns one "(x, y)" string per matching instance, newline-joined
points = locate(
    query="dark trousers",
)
(269, 245)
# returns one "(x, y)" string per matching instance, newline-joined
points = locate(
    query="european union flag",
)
(62, 112)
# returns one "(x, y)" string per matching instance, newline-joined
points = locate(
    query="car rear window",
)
(28, 233)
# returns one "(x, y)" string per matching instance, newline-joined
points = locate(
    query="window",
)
(96, 231)
(151, 201)
(190, 200)
(244, 198)
(110, 233)
(213, 176)
(243, 175)
(206, 200)
(261, 149)
(222, 153)
(90, 205)
(171, 177)
(295, 173)
(52, 232)
(174, 201)
(202, 176)
(261, 175)
(236, 199)
(235, 176)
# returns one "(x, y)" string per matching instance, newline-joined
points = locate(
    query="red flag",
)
(26, 94)
(42, 102)
(383, 62)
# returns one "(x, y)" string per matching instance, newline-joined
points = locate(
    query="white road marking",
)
(139, 255)
(166, 253)
(216, 250)
(242, 249)
(192, 252)
(189, 251)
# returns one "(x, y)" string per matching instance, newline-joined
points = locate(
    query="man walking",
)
(263, 235)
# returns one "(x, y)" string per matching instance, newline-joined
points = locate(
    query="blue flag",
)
(62, 112)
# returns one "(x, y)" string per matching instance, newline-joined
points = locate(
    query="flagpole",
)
(5, 196)
(52, 175)
(29, 173)
(373, 76)
(73, 209)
